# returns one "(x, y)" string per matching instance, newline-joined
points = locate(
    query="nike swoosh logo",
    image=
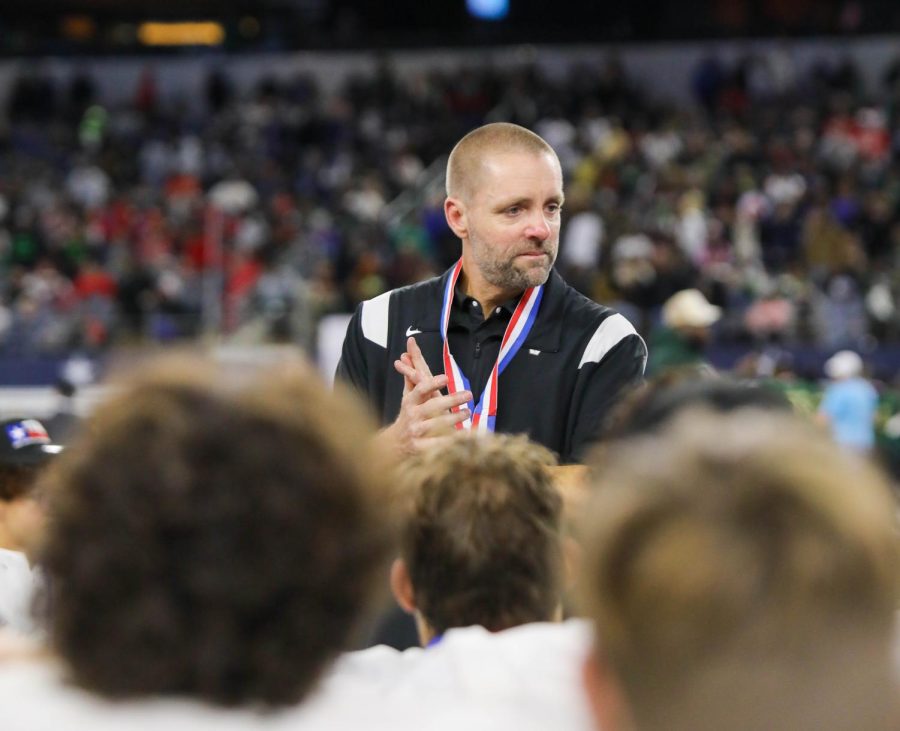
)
(410, 331)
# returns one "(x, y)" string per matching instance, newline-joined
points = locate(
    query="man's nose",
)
(538, 228)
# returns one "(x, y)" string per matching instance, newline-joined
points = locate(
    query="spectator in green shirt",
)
(681, 339)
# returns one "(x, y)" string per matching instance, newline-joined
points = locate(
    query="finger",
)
(408, 360)
(428, 387)
(410, 374)
(404, 366)
(445, 423)
(441, 404)
(408, 386)
(423, 443)
(418, 359)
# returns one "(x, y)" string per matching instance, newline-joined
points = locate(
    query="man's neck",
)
(485, 293)
(423, 630)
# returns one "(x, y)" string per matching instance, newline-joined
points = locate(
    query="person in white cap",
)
(25, 448)
(849, 403)
(686, 319)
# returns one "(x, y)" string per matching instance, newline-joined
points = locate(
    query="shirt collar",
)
(546, 334)
(462, 301)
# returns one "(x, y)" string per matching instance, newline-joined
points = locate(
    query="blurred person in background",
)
(650, 407)
(681, 339)
(849, 402)
(212, 544)
(25, 448)
(744, 578)
(500, 326)
(481, 537)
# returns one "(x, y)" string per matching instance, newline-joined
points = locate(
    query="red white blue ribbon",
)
(483, 415)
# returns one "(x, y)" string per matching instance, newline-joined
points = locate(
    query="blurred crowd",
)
(258, 210)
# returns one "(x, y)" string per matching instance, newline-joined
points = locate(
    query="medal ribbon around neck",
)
(484, 415)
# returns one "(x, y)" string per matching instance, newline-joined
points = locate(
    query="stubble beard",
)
(507, 276)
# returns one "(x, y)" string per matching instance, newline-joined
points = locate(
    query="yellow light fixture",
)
(181, 34)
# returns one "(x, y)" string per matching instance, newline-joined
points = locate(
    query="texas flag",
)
(25, 432)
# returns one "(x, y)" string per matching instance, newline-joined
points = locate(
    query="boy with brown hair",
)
(481, 539)
(741, 573)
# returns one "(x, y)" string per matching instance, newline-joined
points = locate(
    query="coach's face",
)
(508, 218)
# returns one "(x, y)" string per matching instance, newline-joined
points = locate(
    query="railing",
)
(428, 182)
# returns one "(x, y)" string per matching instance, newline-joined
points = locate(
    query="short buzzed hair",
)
(481, 533)
(462, 166)
(735, 576)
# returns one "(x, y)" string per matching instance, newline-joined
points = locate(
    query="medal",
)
(484, 413)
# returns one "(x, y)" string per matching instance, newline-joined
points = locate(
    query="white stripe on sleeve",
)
(375, 319)
(608, 335)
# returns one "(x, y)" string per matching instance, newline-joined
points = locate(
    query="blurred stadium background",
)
(241, 175)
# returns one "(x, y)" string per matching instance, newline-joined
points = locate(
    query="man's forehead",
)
(499, 160)
(514, 168)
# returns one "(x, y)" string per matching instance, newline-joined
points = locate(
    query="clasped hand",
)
(427, 415)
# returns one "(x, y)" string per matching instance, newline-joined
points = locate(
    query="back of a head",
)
(471, 150)
(481, 533)
(737, 567)
(651, 406)
(213, 538)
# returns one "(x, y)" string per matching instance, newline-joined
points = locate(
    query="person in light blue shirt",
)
(849, 402)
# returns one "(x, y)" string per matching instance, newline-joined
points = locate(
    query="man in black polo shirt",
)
(515, 347)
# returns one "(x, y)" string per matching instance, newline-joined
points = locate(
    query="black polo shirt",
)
(474, 340)
(575, 363)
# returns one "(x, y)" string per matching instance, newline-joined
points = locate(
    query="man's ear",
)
(402, 587)
(455, 213)
(605, 697)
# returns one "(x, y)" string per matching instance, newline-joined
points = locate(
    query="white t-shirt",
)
(526, 678)
(34, 696)
(17, 586)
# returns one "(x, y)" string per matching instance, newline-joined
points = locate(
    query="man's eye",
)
(513, 210)
(554, 208)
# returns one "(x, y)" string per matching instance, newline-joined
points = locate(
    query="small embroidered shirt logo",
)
(410, 331)
(532, 351)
